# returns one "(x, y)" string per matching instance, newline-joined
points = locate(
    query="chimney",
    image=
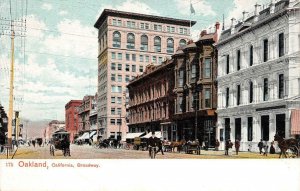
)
(256, 12)
(244, 13)
(272, 7)
(204, 32)
(216, 35)
(232, 25)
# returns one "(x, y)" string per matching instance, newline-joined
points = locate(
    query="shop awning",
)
(133, 135)
(295, 122)
(157, 134)
(87, 135)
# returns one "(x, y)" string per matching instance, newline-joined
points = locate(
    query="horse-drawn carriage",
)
(289, 148)
(60, 141)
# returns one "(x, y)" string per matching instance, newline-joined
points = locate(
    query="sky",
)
(57, 59)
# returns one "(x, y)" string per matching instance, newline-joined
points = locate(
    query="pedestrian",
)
(159, 144)
(33, 143)
(237, 146)
(152, 144)
(66, 146)
(266, 148)
(226, 147)
(230, 144)
(272, 148)
(260, 146)
(217, 144)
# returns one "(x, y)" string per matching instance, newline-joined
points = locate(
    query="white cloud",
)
(63, 13)
(134, 6)
(47, 6)
(241, 5)
(201, 8)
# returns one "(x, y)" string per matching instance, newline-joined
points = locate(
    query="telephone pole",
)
(11, 92)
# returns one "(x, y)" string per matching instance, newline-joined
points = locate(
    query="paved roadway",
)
(88, 152)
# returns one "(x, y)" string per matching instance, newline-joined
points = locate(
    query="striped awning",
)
(295, 122)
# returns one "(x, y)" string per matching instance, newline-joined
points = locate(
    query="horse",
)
(285, 144)
(178, 145)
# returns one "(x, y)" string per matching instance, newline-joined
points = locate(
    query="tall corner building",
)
(127, 43)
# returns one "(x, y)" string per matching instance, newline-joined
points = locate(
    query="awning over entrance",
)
(157, 134)
(133, 135)
(295, 122)
(87, 135)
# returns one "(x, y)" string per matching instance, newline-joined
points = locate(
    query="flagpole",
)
(190, 20)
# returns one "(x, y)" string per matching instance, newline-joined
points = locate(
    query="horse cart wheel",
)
(293, 152)
(52, 150)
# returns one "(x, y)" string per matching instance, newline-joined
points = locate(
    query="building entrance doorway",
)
(227, 129)
(265, 127)
(280, 125)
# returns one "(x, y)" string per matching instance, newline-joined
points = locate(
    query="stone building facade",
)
(128, 42)
(259, 75)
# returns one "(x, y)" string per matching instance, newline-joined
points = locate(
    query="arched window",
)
(117, 39)
(144, 43)
(157, 44)
(130, 41)
(170, 45)
(182, 42)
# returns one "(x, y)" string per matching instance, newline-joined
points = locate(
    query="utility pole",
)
(11, 92)
(17, 126)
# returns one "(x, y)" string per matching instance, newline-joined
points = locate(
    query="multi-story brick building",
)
(127, 43)
(195, 89)
(151, 100)
(72, 117)
(259, 76)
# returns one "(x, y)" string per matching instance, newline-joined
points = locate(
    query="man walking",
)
(260, 146)
(152, 143)
(237, 146)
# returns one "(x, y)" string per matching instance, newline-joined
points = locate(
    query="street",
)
(88, 152)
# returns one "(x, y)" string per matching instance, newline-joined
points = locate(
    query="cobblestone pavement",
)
(88, 152)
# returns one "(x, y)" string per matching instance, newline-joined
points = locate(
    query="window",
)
(238, 61)
(207, 68)
(147, 58)
(116, 89)
(180, 30)
(119, 111)
(119, 100)
(119, 23)
(126, 78)
(120, 67)
(113, 55)
(266, 50)
(250, 128)
(265, 127)
(119, 78)
(113, 66)
(141, 58)
(119, 56)
(113, 77)
(238, 95)
(238, 128)
(113, 100)
(119, 90)
(130, 41)
(180, 79)
(116, 39)
(112, 121)
(281, 44)
(266, 90)
(157, 44)
(227, 97)
(281, 86)
(251, 92)
(119, 121)
(154, 59)
(112, 111)
(144, 43)
(160, 59)
(180, 105)
(141, 68)
(207, 98)
(133, 69)
(133, 56)
(127, 68)
(130, 24)
(251, 56)
(157, 27)
(227, 64)
(193, 74)
(127, 57)
(182, 42)
(114, 22)
(144, 26)
(170, 45)
(170, 29)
